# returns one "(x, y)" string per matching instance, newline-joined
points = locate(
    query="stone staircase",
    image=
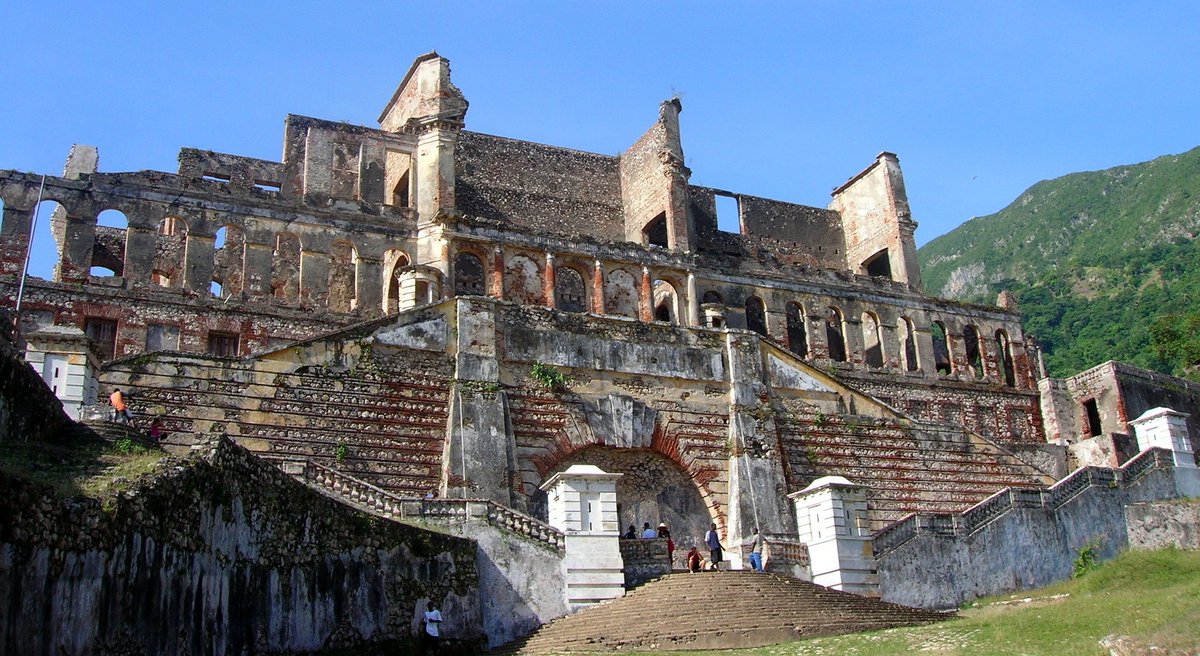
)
(716, 610)
(944, 470)
(106, 431)
(446, 512)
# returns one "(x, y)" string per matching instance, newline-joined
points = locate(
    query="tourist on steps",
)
(756, 546)
(664, 532)
(714, 547)
(121, 412)
(694, 560)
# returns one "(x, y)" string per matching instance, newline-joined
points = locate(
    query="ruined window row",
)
(875, 350)
(525, 280)
(174, 246)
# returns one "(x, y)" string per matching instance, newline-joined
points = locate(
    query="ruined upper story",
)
(355, 222)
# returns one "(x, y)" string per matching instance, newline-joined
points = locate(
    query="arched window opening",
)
(570, 294)
(468, 275)
(941, 349)
(872, 341)
(620, 294)
(712, 307)
(343, 276)
(170, 247)
(655, 232)
(835, 335)
(878, 265)
(972, 349)
(285, 268)
(523, 281)
(108, 252)
(228, 246)
(756, 315)
(908, 344)
(666, 302)
(797, 335)
(1004, 350)
(395, 272)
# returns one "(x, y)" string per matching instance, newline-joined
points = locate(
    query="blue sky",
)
(783, 100)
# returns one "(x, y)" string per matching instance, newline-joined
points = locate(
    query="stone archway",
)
(652, 488)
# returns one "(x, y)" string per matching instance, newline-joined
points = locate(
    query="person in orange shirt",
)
(121, 411)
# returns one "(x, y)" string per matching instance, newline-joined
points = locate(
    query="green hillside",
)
(1094, 258)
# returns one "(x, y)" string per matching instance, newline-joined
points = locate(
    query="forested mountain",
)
(1095, 260)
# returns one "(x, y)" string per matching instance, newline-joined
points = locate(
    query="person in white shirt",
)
(433, 621)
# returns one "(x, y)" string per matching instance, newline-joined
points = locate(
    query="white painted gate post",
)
(583, 505)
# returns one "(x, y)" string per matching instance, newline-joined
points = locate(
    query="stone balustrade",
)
(441, 511)
(995, 506)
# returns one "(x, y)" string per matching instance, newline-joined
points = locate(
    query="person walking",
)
(714, 547)
(756, 548)
(433, 633)
(121, 411)
(664, 532)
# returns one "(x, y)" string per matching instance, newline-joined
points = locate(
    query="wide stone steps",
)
(716, 610)
(108, 431)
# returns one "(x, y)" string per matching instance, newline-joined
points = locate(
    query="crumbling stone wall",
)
(526, 185)
(219, 554)
(1119, 393)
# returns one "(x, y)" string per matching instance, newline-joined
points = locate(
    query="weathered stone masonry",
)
(377, 299)
(220, 554)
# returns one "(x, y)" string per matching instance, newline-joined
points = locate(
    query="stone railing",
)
(644, 560)
(995, 506)
(785, 555)
(439, 511)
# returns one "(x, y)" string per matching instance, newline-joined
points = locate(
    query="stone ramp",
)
(716, 610)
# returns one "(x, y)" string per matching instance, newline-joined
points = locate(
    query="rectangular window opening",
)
(728, 213)
(214, 177)
(1092, 413)
(104, 333)
(262, 185)
(223, 344)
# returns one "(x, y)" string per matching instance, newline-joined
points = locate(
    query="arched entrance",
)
(652, 488)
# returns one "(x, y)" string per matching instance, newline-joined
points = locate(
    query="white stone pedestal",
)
(64, 358)
(1167, 429)
(831, 514)
(583, 505)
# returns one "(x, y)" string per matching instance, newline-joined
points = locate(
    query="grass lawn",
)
(1151, 597)
(93, 469)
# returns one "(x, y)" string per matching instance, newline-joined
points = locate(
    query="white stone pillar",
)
(693, 301)
(1167, 429)
(583, 505)
(64, 357)
(831, 515)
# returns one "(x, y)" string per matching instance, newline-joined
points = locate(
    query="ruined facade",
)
(383, 298)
